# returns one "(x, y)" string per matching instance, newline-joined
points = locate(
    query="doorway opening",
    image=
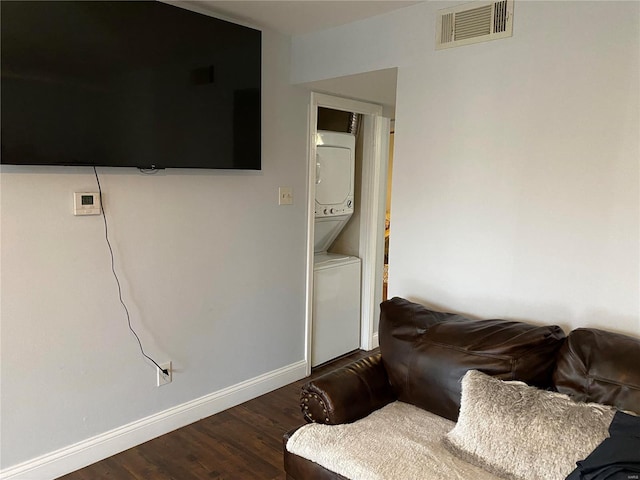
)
(370, 226)
(387, 217)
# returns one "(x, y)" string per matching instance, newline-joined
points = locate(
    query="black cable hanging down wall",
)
(115, 275)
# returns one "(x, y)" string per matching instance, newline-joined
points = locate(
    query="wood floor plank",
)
(243, 442)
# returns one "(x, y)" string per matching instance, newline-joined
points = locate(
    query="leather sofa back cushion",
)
(426, 353)
(598, 366)
(402, 322)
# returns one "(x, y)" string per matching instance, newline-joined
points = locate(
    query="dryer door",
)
(334, 180)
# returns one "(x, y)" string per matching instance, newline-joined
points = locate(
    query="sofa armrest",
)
(348, 393)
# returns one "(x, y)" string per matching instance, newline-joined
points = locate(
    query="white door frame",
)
(374, 175)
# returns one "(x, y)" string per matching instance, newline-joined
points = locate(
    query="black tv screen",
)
(128, 84)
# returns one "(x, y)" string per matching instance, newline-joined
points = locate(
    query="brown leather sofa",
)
(424, 354)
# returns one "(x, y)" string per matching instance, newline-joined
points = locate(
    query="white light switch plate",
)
(285, 196)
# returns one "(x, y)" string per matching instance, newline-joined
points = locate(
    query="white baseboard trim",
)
(69, 459)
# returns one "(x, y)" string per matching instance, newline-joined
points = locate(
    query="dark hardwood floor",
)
(243, 442)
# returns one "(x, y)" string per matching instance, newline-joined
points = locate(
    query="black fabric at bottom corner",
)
(617, 457)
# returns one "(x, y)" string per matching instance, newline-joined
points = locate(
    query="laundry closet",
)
(336, 267)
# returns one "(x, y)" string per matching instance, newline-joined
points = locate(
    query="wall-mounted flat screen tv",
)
(128, 84)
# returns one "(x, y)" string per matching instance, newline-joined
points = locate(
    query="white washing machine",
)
(336, 277)
(336, 306)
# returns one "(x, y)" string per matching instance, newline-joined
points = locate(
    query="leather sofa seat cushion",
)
(427, 353)
(598, 366)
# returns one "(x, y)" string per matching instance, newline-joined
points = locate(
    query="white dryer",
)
(336, 290)
(334, 201)
(335, 170)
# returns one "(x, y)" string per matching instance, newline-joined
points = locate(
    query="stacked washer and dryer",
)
(336, 277)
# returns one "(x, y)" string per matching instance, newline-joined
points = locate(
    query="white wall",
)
(516, 183)
(212, 269)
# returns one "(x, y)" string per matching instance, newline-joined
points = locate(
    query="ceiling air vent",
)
(473, 23)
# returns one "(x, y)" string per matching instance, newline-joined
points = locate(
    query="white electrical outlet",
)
(162, 378)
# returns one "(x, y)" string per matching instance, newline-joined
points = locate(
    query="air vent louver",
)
(473, 23)
(446, 34)
(500, 16)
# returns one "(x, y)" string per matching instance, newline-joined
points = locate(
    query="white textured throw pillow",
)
(521, 432)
